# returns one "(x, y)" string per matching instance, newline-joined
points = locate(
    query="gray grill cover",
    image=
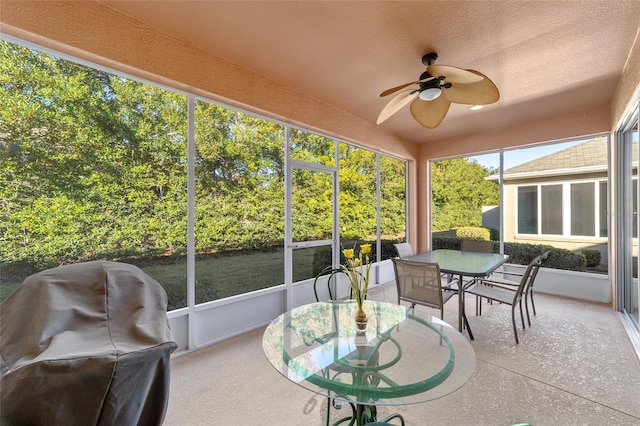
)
(85, 344)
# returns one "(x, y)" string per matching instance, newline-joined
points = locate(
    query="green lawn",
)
(217, 276)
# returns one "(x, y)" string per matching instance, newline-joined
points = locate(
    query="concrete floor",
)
(574, 366)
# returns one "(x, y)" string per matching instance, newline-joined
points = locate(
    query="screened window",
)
(239, 202)
(95, 165)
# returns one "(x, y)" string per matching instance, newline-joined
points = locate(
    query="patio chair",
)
(331, 273)
(512, 285)
(420, 283)
(477, 246)
(404, 250)
(486, 289)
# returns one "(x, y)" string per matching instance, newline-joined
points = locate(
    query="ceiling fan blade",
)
(396, 103)
(395, 89)
(453, 74)
(481, 93)
(430, 113)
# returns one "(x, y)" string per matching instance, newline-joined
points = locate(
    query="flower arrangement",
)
(357, 270)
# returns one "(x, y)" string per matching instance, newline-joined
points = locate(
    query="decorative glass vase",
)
(361, 319)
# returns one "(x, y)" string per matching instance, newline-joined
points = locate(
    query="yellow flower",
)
(356, 262)
(365, 248)
(348, 253)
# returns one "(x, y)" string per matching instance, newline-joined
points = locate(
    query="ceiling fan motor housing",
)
(429, 59)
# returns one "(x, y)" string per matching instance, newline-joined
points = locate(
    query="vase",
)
(361, 319)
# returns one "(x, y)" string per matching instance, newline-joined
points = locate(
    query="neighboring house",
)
(561, 199)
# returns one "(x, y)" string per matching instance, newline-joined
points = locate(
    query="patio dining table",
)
(463, 264)
(399, 358)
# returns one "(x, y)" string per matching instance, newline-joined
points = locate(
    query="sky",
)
(516, 157)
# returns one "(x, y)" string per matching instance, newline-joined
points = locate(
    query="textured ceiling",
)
(546, 57)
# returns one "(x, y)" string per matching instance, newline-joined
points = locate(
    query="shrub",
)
(322, 256)
(592, 256)
(321, 259)
(448, 243)
(473, 233)
(523, 254)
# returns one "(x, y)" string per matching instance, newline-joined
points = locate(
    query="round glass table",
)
(399, 358)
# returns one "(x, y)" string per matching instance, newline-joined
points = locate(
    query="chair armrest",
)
(506, 284)
(511, 273)
(451, 285)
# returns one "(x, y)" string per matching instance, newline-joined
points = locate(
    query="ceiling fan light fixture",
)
(430, 94)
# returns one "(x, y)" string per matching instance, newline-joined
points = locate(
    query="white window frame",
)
(566, 209)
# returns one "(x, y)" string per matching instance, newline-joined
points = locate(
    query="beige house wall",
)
(575, 244)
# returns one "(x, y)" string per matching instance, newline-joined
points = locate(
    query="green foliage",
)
(322, 255)
(446, 243)
(494, 234)
(459, 190)
(473, 233)
(523, 254)
(94, 166)
(592, 257)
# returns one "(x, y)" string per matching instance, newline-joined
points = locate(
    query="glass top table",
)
(467, 263)
(463, 264)
(400, 358)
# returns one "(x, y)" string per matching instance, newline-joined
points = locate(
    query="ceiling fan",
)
(437, 88)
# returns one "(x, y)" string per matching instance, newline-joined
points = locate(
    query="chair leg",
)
(533, 305)
(526, 306)
(513, 322)
(329, 402)
(521, 315)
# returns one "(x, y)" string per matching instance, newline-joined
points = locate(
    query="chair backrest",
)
(332, 274)
(538, 261)
(404, 250)
(477, 246)
(418, 282)
(526, 282)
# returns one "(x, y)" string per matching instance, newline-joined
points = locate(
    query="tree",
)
(459, 190)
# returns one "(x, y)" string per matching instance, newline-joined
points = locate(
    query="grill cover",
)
(85, 344)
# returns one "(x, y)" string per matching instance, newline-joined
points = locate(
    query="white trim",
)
(556, 172)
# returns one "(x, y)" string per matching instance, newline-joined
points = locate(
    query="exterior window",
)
(585, 202)
(602, 188)
(551, 214)
(582, 209)
(528, 210)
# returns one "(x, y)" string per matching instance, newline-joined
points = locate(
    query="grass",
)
(218, 275)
